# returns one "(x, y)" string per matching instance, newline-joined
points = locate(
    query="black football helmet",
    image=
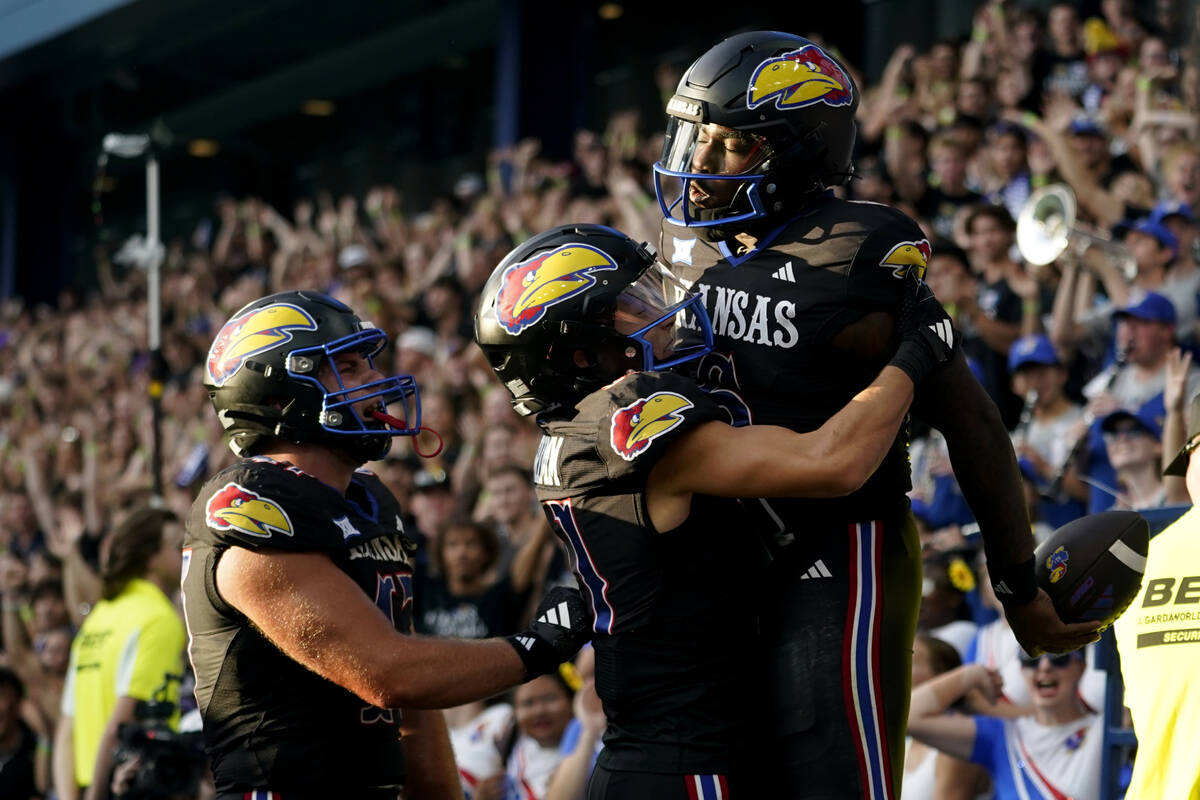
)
(577, 307)
(791, 109)
(262, 378)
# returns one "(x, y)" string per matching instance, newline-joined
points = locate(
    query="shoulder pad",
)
(895, 247)
(258, 504)
(643, 413)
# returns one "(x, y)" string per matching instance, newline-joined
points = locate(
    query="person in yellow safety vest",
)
(124, 651)
(1159, 641)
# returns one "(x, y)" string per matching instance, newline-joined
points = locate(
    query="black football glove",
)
(927, 335)
(560, 627)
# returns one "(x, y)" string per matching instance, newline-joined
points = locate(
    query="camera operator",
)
(154, 761)
(126, 647)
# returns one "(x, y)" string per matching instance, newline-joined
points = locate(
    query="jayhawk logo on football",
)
(908, 257)
(252, 333)
(798, 79)
(237, 508)
(1057, 564)
(527, 289)
(638, 424)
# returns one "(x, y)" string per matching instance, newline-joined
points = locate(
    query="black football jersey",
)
(672, 639)
(775, 311)
(268, 721)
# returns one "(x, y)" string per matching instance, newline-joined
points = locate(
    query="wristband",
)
(1030, 307)
(1014, 585)
(1029, 119)
(914, 359)
(537, 656)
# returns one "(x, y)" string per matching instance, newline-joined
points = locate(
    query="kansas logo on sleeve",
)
(908, 257)
(527, 289)
(239, 509)
(638, 424)
(252, 333)
(800, 78)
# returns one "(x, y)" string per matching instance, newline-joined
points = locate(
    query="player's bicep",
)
(750, 461)
(312, 611)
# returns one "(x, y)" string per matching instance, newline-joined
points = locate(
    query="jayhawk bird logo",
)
(237, 508)
(798, 79)
(252, 333)
(527, 289)
(638, 424)
(908, 257)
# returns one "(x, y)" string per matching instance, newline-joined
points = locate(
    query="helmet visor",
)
(706, 166)
(666, 316)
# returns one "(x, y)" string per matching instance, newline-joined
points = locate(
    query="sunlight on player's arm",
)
(319, 617)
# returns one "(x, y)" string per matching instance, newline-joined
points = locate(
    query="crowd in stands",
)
(1088, 357)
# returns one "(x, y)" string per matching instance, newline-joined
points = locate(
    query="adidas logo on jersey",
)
(944, 331)
(560, 615)
(817, 570)
(1002, 588)
(526, 642)
(785, 273)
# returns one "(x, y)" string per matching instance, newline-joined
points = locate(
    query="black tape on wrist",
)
(910, 358)
(537, 656)
(1014, 585)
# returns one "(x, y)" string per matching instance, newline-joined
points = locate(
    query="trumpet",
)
(1048, 226)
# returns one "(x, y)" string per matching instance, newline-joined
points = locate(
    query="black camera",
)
(168, 763)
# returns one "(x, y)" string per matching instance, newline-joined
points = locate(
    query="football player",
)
(634, 470)
(297, 575)
(803, 289)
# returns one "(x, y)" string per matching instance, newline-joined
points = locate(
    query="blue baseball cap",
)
(1143, 418)
(1035, 349)
(1161, 233)
(1083, 125)
(1151, 308)
(1172, 208)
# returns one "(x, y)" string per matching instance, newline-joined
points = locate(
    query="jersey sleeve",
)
(639, 416)
(256, 505)
(894, 249)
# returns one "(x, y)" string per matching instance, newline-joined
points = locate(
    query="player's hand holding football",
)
(1039, 630)
(927, 335)
(561, 625)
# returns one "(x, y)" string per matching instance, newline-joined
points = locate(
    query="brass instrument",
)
(1048, 226)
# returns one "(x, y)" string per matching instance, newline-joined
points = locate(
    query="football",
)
(1092, 567)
